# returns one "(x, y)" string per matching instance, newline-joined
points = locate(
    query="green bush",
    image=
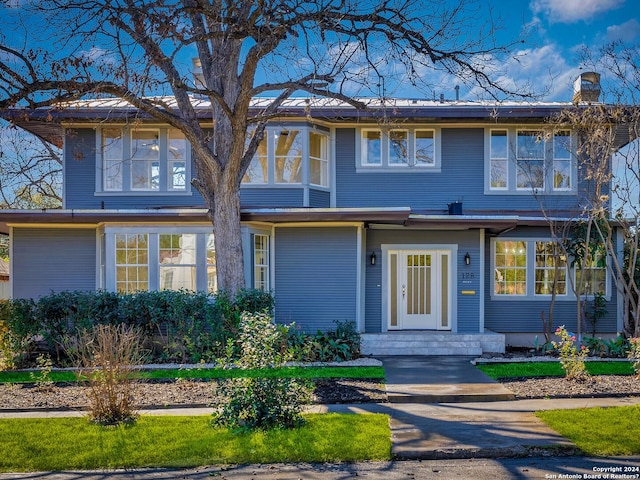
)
(259, 403)
(177, 326)
(331, 346)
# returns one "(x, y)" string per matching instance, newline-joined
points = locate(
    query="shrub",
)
(571, 359)
(634, 354)
(259, 403)
(332, 346)
(107, 354)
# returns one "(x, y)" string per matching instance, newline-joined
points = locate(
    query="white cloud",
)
(97, 54)
(569, 11)
(627, 32)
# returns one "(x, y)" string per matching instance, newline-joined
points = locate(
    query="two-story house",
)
(429, 230)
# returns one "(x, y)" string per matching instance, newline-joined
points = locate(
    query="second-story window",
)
(529, 160)
(143, 160)
(398, 149)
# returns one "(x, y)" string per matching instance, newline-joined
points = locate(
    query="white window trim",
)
(127, 165)
(384, 166)
(530, 274)
(512, 167)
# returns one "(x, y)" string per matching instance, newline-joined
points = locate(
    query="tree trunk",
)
(224, 212)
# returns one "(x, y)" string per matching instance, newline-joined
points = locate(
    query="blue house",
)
(430, 230)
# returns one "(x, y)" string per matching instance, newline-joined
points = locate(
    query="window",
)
(425, 148)
(534, 269)
(177, 260)
(510, 268)
(131, 262)
(261, 262)
(372, 147)
(530, 159)
(398, 149)
(318, 159)
(143, 160)
(258, 171)
(177, 160)
(591, 276)
(562, 160)
(499, 159)
(212, 274)
(290, 157)
(112, 159)
(164, 258)
(535, 160)
(550, 269)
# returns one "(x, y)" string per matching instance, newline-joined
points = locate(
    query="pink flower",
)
(573, 339)
(583, 347)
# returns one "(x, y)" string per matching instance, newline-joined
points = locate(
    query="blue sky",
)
(558, 30)
(554, 32)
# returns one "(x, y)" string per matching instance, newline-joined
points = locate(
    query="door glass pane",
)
(444, 307)
(393, 267)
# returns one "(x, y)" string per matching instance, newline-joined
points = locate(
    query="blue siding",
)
(525, 316)
(316, 276)
(468, 306)
(45, 260)
(460, 179)
(271, 197)
(319, 198)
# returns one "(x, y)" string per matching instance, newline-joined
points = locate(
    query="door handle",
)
(404, 290)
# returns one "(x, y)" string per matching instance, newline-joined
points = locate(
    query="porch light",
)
(467, 259)
(373, 258)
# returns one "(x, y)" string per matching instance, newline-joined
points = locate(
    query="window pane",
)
(591, 276)
(499, 173)
(132, 269)
(261, 262)
(258, 168)
(424, 147)
(212, 279)
(288, 156)
(318, 160)
(372, 147)
(176, 160)
(398, 147)
(499, 144)
(530, 144)
(547, 277)
(562, 145)
(145, 160)
(177, 259)
(112, 158)
(531, 174)
(510, 275)
(561, 175)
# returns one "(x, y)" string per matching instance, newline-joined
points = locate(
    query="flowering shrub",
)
(571, 358)
(634, 354)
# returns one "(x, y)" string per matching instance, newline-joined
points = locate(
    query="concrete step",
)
(429, 343)
(448, 393)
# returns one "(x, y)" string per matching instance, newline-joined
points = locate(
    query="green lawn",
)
(212, 373)
(173, 441)
(598, 431)
(551, 369)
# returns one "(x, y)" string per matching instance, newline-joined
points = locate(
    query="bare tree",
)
(326, 48)
(30, 171)
(612, 173)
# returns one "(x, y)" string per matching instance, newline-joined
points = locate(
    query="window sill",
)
(411, 170)
(143, 193)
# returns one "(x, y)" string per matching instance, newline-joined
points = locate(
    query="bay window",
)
(131, 262)
(510, 272)
(290, 156)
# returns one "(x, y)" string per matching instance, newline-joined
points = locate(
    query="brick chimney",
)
(586, 88)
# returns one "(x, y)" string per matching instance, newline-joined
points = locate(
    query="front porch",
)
(417, 342)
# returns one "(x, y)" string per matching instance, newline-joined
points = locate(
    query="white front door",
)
(419, 289)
